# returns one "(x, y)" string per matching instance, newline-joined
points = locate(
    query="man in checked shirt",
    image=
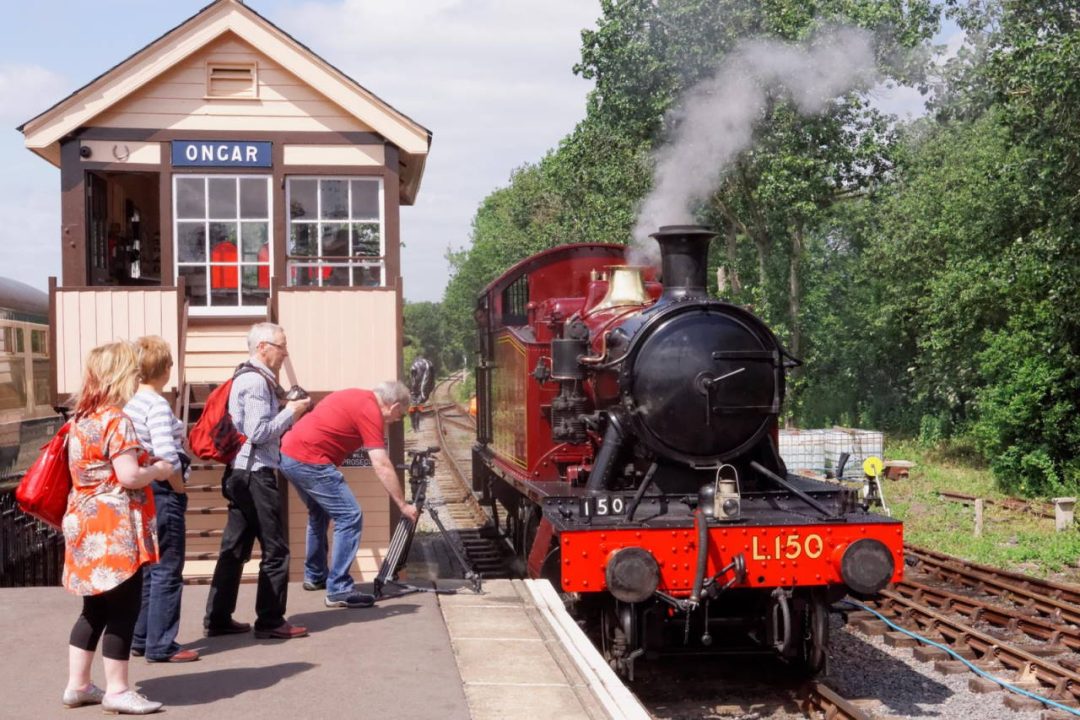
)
(251, 487)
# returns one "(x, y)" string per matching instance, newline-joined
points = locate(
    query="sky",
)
(492, 80)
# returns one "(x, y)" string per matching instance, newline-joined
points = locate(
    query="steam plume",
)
(715, 118)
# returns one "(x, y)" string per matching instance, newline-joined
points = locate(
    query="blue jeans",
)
(327, 497)
(163, 582)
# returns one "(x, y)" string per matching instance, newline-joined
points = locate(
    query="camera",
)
(296, 393)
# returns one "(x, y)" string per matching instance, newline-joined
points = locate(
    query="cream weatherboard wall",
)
(87, 317)
(178, 98)
(342, 339)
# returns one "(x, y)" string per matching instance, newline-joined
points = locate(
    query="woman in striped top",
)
(162, 434)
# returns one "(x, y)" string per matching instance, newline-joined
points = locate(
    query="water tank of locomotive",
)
(699, 381)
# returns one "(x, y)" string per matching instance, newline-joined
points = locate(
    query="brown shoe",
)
(180, 656)
(284, 631)
(232, 628)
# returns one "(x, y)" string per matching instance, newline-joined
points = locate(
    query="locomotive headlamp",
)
(866, 566)
(726, 503)
(632, 574)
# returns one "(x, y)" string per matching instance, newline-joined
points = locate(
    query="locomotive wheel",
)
(619, 633)
(814, 645)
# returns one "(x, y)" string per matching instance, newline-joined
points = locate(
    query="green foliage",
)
(1012, 540)
(927, 273)
(425, 327)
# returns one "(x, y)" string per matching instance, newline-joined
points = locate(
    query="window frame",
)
(318, 261)
(238, 310)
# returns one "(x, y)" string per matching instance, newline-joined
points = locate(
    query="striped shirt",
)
(256, 413)
(157, 428)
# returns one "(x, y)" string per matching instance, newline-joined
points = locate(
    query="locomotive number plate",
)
(603, 505)
(789, 547)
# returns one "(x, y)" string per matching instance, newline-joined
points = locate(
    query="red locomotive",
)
(629, 429)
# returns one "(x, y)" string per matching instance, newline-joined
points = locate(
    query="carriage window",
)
(11, 340)
(12, 383)
(335, 232)
(222, 236)
(39, 342)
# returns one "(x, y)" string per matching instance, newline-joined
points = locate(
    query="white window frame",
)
(222, 310)
(354, 261)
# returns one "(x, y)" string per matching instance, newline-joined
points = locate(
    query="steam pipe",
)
(702, 527)
(609, 450)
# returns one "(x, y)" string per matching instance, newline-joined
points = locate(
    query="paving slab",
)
(393, 660)
(537, 702)
(512, 665)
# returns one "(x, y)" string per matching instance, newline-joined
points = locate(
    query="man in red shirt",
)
(340, 424)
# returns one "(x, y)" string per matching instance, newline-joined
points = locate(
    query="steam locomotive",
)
(628, 426)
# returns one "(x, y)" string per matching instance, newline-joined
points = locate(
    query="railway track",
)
(1049, 599)
(1004, 627)
(449, 427)
(817, 699)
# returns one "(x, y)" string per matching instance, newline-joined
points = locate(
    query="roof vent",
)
(232, 80)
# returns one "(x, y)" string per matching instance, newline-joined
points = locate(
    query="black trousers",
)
(254, 514)
(113, 613)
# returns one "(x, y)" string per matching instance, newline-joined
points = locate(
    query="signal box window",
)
(335, 232)
(222, 232)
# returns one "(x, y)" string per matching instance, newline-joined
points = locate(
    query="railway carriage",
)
(27, 420)
(627, 425)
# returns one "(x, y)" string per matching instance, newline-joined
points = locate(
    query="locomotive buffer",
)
(421, 470)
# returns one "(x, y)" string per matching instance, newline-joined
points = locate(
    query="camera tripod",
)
(421, 470)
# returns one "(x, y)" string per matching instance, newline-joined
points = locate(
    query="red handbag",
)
(43, 491)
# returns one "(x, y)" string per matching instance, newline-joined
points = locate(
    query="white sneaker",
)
(129, 703)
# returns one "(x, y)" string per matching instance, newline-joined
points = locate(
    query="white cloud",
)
(30, 238)
(492, 80)
(27, 90)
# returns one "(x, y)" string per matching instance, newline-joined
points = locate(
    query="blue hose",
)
(976, 670)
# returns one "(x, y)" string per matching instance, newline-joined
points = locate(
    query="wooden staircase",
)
(210, 353)
(205, 520)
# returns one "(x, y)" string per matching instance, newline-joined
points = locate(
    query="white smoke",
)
(714, 119)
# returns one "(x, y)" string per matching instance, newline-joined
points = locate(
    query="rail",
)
(817, 697)
(1033, 668)
(978, 611)
(1043, 596)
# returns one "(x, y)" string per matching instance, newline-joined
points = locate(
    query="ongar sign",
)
(214, 153)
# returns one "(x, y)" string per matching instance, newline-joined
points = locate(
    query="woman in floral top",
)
(108, 529)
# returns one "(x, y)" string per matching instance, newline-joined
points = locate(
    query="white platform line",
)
(609, 690)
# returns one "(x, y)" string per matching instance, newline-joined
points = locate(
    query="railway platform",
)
(502, 654)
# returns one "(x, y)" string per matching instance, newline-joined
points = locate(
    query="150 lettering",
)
(790, 548)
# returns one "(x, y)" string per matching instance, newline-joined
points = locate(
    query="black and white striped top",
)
(159, 431)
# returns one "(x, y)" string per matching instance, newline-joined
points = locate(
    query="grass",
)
(1012, 540)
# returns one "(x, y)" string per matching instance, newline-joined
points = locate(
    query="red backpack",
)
(214, 436)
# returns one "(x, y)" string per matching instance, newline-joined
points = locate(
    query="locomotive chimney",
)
(684, 254)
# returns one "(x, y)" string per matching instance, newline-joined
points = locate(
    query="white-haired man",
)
(340, 424)
(250, 485)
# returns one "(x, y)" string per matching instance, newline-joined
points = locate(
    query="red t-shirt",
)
(339, 424)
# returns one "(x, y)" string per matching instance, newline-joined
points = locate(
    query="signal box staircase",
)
(211, 353)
